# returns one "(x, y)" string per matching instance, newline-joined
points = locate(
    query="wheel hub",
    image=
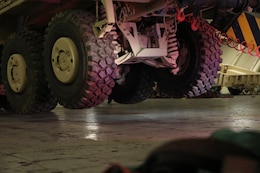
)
(16, 73)
(65, 60)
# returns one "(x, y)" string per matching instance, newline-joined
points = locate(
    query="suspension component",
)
(105, 25)
(134, 11)
(155, 45)
(173, 52)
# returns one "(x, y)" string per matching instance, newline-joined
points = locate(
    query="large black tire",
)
(87, 77)
(201, 55)
(23, 76)
(235, 91)
(137, 87)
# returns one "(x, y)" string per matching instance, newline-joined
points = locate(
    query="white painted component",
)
(137, 43)
(233, 57)
(234, 76)
(238, 69)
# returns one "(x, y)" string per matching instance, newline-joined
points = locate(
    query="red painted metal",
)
(49, 8)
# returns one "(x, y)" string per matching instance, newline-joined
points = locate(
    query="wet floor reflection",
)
(84, 140)
(92, 125)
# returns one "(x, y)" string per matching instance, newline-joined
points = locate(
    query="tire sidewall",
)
(178, 85)
(66, 28)
(20, 46)
(191, 40)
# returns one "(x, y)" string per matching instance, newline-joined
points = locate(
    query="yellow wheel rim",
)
(16, 73)
(65, 60)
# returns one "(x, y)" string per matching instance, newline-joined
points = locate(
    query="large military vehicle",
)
(79, 53)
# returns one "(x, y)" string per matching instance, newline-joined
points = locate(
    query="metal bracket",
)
(104, 26)
(129, 30)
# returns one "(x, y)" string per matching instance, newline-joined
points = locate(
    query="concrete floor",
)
(88, 140)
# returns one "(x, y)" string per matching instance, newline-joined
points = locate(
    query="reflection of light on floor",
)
(92, 126)
(242, 123)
